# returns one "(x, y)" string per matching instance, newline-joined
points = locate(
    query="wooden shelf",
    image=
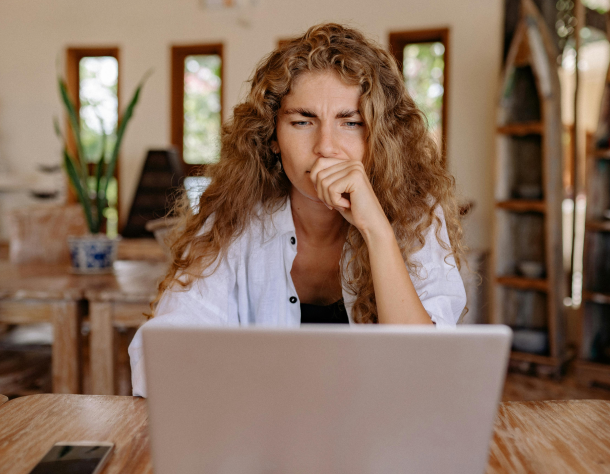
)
(535, 358)
(522, 205)
(592, 296)
(598, 225)
(529, 141)
(522, 129)
(588, 373)
(600, 153)
(523, 283)
(589, 364)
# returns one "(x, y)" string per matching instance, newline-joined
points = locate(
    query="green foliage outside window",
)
(98, 96)
(423, 69)
(98, 77)
(202, 121)
(600, 6)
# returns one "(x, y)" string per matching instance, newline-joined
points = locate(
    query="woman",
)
(329, 193)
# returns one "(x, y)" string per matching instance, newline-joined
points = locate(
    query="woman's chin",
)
(300, 194)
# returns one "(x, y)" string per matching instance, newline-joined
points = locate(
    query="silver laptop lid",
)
(364, 399)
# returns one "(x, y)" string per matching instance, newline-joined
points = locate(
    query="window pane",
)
(423, 69)
(202, 109)
(98, 103)
(98, 82)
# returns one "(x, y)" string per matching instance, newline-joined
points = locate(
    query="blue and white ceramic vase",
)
(93, 254)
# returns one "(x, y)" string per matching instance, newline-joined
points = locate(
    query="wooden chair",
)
(118, 304)
(35, 286)
(39, 234)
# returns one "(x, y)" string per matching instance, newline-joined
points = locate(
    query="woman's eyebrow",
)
(309, 114)
(300, 111)
(347, 114)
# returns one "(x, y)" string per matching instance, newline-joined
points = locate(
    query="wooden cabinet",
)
(528, 286)
(593, 363)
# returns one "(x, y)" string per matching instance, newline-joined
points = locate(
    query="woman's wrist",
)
(396, 297)
(378, 235)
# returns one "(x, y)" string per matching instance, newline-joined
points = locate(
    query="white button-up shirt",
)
(252, 286)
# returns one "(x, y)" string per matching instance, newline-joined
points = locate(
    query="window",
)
(197, 104)
(93, 83)
(423, 57)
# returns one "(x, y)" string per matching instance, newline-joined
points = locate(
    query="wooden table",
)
(30, 425)
(47, 293)
(50, 293)
(530, 437)
(119, 300)
(551, 437)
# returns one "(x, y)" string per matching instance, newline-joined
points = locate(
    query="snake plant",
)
(90, 188)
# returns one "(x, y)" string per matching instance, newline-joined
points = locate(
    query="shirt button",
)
(293, 240)
(292, 299)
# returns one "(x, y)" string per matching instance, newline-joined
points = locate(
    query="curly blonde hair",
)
(403, 162)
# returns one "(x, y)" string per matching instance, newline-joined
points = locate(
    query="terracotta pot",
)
(93, 254)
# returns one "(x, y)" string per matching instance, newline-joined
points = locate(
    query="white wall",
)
(34, 34)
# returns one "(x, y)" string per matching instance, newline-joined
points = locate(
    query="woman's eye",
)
(353, 124)
(300, 123)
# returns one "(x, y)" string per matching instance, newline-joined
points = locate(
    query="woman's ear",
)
(275, 147)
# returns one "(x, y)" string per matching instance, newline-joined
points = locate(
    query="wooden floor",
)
(25, 372)
(520, 387)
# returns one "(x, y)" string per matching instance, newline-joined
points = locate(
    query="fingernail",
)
(329, 207)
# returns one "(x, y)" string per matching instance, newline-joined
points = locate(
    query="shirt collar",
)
(279, 223)
(282, 218)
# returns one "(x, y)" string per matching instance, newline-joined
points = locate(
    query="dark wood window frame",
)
(179, 54)
(398, 41)
(73, 57)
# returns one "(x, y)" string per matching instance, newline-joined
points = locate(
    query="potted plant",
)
(95, 252)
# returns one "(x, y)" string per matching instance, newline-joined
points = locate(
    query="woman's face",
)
(319, 118)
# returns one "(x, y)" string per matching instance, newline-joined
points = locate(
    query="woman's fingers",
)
(337, 185)
(323, 164)
(343, 185)
(334, 184)
(318, 172)
(336, 192)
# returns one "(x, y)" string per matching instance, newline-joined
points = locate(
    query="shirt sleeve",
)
(438, 282)
(207, 302)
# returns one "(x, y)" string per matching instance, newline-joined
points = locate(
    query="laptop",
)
(324, 400)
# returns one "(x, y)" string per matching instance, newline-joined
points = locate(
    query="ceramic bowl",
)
(529, 191)
(530, 340)
(531, 269)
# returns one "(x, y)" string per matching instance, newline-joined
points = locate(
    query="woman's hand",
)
(344, 186)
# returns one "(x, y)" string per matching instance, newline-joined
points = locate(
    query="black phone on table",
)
(82, 457)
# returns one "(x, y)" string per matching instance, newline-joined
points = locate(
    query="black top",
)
(334, 313)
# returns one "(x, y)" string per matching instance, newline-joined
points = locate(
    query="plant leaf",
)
(58, 129)
(121, 130)
(81, 193)
(100, 196)
(74, 124)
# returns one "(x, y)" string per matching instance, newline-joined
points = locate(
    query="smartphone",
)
(81, 457)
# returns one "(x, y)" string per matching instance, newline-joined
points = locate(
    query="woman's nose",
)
(326, 142)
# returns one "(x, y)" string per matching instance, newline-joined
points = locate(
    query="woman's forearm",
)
(397, 300)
